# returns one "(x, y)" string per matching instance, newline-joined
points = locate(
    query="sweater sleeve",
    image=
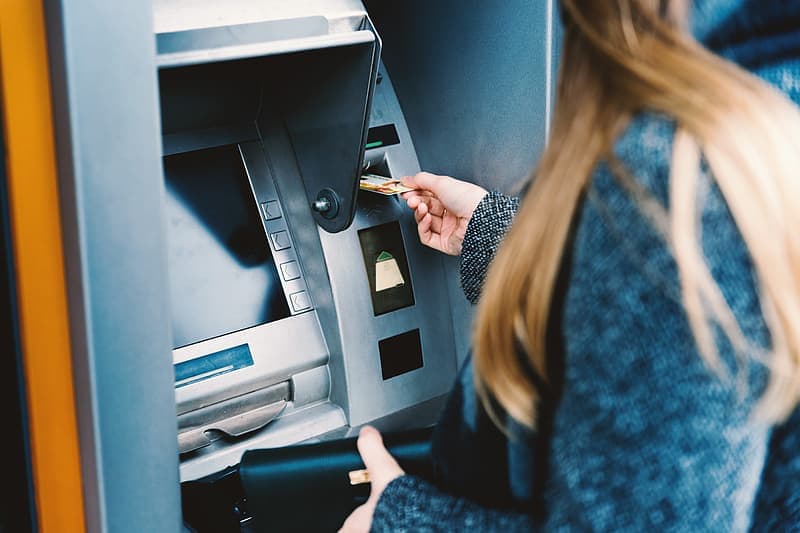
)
(485, 232)
(411, 504)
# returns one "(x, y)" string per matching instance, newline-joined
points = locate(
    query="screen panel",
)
(222, 274)
(388, 275)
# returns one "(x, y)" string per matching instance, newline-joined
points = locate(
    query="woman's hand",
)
(382, 469)
(442, 208)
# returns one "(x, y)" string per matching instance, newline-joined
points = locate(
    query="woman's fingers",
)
(420, 210)
(436, 224)
(433, 224)
(429, 222)
(424, 229)
(381, 465)
(416, 192)
(434, 205)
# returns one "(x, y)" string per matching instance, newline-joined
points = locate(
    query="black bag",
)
(307, 487)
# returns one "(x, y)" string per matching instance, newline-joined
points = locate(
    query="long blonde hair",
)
(620, 58)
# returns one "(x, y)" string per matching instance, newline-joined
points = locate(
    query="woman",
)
(636, 357)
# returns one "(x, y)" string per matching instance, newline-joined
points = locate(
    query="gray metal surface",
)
(265, 194)
(474, 81)
(233, 417)
(178, 15)
(181, 57)
(338, 284)
(277, 152)
(315, 74)
(293, 426)
(327, 118)
(280, 350)
(421, 415)
(367, 396)
(399, 162)
(102, 57)
(217, 88)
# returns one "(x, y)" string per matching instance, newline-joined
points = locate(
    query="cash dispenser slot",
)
(233, 417)
(236, 414)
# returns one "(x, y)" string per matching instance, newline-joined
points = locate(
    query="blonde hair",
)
(620, 58)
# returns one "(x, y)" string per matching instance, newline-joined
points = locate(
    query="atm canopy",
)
(312, 75)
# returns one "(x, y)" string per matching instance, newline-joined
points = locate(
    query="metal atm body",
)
(286, 101)
(285, 325)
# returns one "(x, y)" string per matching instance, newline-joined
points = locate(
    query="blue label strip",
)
(212, 365)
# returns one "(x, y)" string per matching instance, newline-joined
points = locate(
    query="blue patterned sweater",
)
(639, 435)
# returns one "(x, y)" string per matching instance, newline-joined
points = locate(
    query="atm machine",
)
(302, 307)
(230, 287)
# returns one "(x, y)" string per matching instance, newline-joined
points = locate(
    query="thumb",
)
(381, 465)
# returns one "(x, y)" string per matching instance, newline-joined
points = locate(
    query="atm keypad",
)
(280, 240)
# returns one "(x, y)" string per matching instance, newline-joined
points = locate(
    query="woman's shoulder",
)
(630, 221)
(644, 149)
(646, 144)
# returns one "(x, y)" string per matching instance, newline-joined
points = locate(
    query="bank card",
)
(382, 185)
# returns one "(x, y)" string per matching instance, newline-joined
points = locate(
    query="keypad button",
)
(280, 240)
(290, 270)
(271, 210)
(300, 301)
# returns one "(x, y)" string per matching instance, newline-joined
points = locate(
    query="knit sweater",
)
(638, 433)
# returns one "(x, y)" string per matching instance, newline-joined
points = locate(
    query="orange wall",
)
(36, 235)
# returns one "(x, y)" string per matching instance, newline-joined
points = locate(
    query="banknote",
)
(382, 185)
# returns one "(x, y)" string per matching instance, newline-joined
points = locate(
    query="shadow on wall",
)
(477, 70)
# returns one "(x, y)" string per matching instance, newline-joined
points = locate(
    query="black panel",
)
(381, 136)
(385, 243)
(400, 354)
(215, 504)
(222, 274)
(306, 487)
(16, 510)
(326, 118)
